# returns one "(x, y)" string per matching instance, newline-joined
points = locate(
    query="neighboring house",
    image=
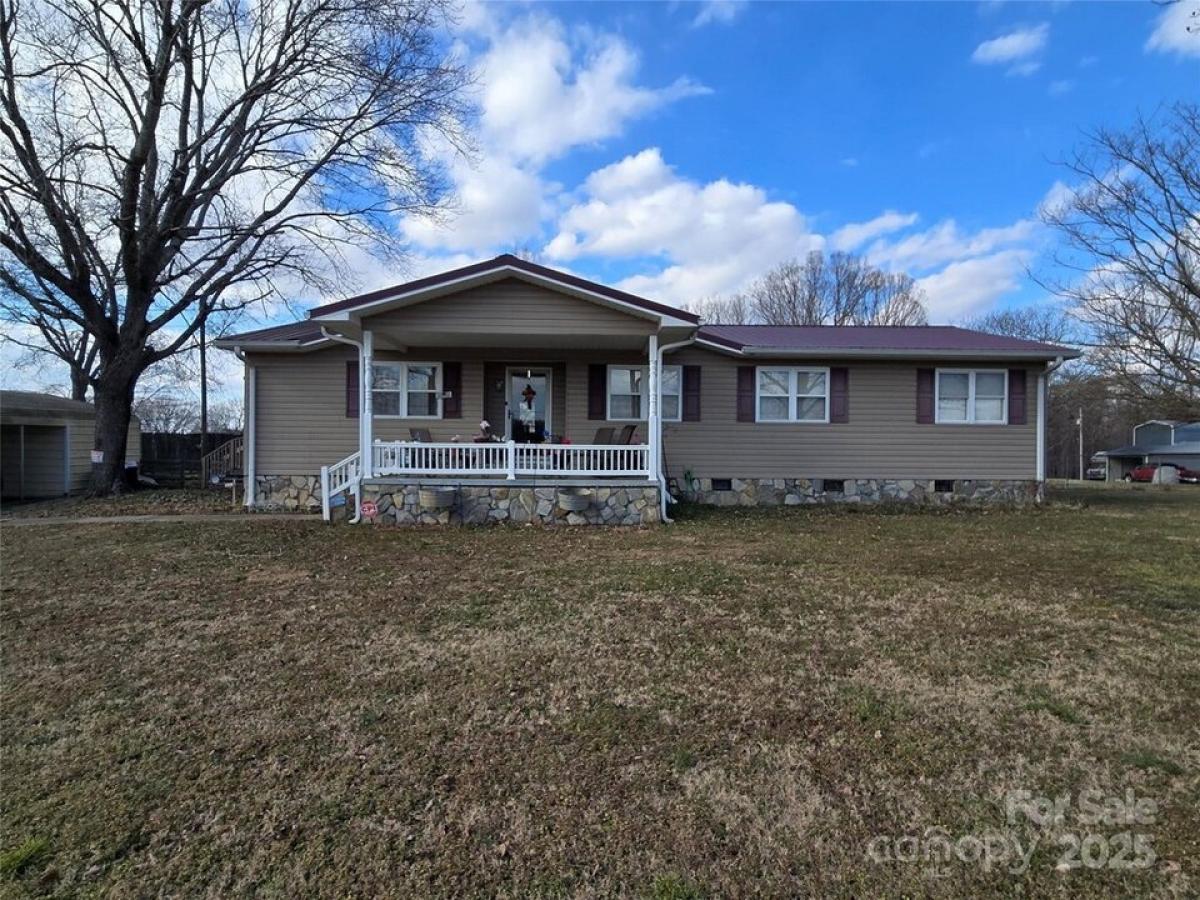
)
(1159, 440)
(46, 445)
(730, 414)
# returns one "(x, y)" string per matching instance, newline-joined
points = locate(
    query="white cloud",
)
(1024, 69)
(1177, 30)
(720, 12)
(1015, 49)
(850, 162)
(713, 238)
(854, 235)
(1056, 198)
(499, 202)
(540, 100)
(694, 240)
(972, 285)
(945, 243)
(542, 92)
(1058, 88)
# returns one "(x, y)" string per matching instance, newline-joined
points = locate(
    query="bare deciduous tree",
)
(164, 161)
(841, 289)
(1048, 323)
(1131, 246)
(723, 310)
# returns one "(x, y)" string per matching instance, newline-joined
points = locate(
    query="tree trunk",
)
(114, 408)
(79, 384)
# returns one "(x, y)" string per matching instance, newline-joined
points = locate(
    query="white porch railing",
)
(511, 460)
(341, 476)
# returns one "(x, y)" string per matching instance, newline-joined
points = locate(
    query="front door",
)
(528, 405)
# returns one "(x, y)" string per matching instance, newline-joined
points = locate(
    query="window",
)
(972, 396)
(407, 390)
(628, 392)
(793, 395)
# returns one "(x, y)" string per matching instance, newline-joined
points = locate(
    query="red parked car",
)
(1146, 473)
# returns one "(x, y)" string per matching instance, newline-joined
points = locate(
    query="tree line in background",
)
(834, 289)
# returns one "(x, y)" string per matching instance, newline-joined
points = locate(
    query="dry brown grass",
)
(136, 503)
(733, 705)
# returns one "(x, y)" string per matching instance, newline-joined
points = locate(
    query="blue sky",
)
(679, 149)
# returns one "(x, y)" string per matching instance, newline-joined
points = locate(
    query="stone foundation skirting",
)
(300, 492)
(803, 491)
(400, 504)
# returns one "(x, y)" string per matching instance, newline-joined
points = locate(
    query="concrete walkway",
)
(151, 519)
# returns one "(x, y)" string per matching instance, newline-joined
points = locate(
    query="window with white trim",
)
(628, 393)
(408, 390)
(789, 394)
(972, 396)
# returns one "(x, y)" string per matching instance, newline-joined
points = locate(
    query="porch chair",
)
(626, 435)
(420, 435)
(603, 436)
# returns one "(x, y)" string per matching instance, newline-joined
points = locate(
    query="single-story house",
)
(46, 445)
(599, 401)
(1157, 441)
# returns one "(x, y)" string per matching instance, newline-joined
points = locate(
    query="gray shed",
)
(46, 445)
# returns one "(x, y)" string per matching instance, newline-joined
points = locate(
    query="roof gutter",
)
(863, 353)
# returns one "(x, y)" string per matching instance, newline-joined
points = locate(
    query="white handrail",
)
(341, 476)
(510, 460)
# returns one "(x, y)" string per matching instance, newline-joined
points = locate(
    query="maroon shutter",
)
(597, 374)
(691, 394)
(351, 389)
(839, 394)
(924, 396)
(1016, 397)
(452, 390)
(745, 393)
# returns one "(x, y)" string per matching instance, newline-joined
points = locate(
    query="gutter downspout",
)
(1043, 393)
(663, 496)
(362, 380)
(249, 439)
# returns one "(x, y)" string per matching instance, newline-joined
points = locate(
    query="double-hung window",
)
(787, 394)
(972, 396)
(628, 393)
(407, 390)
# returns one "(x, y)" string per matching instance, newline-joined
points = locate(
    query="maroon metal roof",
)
(293, 332)
(868, 338)
(505, 259)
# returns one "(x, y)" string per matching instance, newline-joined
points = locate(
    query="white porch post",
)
(250, 491)
(652, 418)
(366, 421)
(1041, 428)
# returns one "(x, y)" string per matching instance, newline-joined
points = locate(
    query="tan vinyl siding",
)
(881, 440)
(301, 421)
(511, 307)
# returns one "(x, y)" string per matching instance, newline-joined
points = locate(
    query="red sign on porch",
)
(369, 509)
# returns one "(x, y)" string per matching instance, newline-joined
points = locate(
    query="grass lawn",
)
(742, 703)
(136, 503)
